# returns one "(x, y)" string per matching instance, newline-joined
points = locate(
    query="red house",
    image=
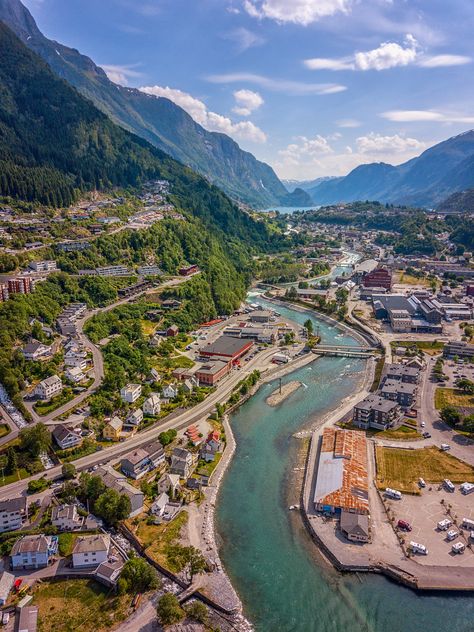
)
(172, 331)
(380, 277)
(188, 270)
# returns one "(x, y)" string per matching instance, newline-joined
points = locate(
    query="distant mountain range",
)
(158, 120)
(461, 202)
(424, 181)
(306, 185)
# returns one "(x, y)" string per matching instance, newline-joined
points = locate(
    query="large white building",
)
(131, 393)
(48, 388)
(13, 512)
(90, 550)
(152, 405)
(66, 518)
(43, 266)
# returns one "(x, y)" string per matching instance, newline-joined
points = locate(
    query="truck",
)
(458, 547)
(448, 485)
(393, 493)
(418, 548)
(467, 523)
(443, 525)
(467, 488)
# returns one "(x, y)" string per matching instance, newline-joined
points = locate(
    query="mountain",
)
(55, 143)
(158, 120)
(423, 181)
(297, 197)
(291, 185)
(461, 202)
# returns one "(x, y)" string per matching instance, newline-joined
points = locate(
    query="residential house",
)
(211, 447)
(66, 518)
(402, 372)
(403, 393)
(48, 388)
(355, 526)
(152, 405)
(13, 513)
(136, 464)
(75, 358)
(67, 437)
(188, 386)
(170, 391)
(193, 434)
(158, 507)
(36, 351)
(6, 584)
(113, 429)
(131, 393)
(135, 417)
(171, 303)
(172, 331)
(169, 483)
(181, 462)
(376, 412)
(116, 480)
(156, 454)
(32, 551)
(74, 374)
(90, 550)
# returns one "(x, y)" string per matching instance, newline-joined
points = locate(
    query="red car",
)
(17, 584)
(403, 524)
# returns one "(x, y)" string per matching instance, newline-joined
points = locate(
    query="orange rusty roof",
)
(342, 480)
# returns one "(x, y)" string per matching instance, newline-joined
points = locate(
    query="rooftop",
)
(31, 544)
(227, 346)
(91, 544)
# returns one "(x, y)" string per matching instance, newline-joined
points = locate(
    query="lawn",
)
(44, 408)
(400, 469)
(206, 469)
(156, 538)
(16, 476)
(408, 279)
(78, 604)
(424, 345)
(148, 327)
(452, 397)
(403, 433)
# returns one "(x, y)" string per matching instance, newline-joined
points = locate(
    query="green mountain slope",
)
(158, 120)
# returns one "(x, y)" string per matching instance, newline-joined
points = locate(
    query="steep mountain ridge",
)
(423, 181)
(158, 120)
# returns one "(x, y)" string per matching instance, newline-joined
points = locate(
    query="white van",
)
(467, 523)
(421, 482)
(445, 447)
(448, 485)
(451, 535)
(467, 488)
(418, 548)
(459, 547)
(393, 493)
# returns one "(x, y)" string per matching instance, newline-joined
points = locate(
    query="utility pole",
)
(280, 386)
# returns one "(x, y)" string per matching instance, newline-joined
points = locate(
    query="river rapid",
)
(284, 584)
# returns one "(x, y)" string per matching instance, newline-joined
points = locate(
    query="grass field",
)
(452, 397)
(403, 433)
(148, 327)
(157, 538)
(78, 604)
(408, 279)
(400, 469)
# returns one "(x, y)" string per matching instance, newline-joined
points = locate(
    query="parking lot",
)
(458, 371)
(423, 514)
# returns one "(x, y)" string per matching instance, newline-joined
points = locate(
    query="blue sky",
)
(313, 87)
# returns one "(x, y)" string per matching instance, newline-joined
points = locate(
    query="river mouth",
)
(284, 583)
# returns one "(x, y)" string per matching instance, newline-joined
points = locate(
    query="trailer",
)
(451, 535)
(418, 548)
(448, 485)
(443, 525)
(393, 493)
(459, 547)
(467, 523)
(467, 488)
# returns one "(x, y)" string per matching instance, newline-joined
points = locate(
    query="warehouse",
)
(227, 348)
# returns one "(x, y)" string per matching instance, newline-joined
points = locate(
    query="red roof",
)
(210, 323)
(213, 435)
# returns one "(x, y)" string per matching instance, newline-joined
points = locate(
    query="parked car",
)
(426, 435)
(445, 447)
(404, 525)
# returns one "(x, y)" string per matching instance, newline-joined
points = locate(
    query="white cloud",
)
(442, 61)
(416, 116)
(302, 12)
(348, 123)
(376, 143)
(244, 39)
(245, 130)
(246, 101)
(278, 85)
(121, 74)
(305, 159)
(387, 55)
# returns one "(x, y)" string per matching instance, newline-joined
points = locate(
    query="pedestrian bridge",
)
(345, 351)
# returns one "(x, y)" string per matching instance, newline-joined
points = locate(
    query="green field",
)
(400, 469)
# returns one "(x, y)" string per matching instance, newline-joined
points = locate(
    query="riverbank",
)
(281, 393)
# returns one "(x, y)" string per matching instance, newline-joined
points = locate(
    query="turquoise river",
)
(284, 584)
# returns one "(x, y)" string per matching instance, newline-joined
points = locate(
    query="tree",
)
(12, 461)
(198, 611)
(167, 437)
(342, 294)
(169, 609)
(36, 439)
(91, 486)
(112, 506)
(68, 471)
(450, 415)
(139, 576)
(308, 325)
(465, 385)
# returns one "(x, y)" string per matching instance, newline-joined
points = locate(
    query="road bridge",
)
(345, 351)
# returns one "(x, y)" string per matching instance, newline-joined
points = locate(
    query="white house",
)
(35, 351)
(66, 518)
(170, 391)
(168, 483)
(13, 512)
(32, 551)
(74, 374)
(6, 584)
(66, 437)
(131, 393)
(42, 266)
(90, 550)
(135, 417)
(49, 387)
(158, 507)
(78, 359)
(152, 405)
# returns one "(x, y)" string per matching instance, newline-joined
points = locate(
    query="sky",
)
(313, 87)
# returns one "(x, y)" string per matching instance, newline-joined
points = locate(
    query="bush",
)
(169, 610)
(39, 485)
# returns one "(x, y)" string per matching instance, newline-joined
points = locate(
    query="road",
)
(98, 361)
(179, 421)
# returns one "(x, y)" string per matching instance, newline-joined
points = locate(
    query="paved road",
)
(179, 421)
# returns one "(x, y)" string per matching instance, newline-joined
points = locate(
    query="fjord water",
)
(284, 585)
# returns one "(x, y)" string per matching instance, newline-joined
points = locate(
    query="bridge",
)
(345, 351)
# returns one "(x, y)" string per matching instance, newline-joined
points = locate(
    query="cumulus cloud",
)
(301, 12)
(376, 143)
(121, 74)
(308, 158)
(443, 61)
(278, 85)
(246, 102)
(416, 116)
(387, 55)
(244, 130)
